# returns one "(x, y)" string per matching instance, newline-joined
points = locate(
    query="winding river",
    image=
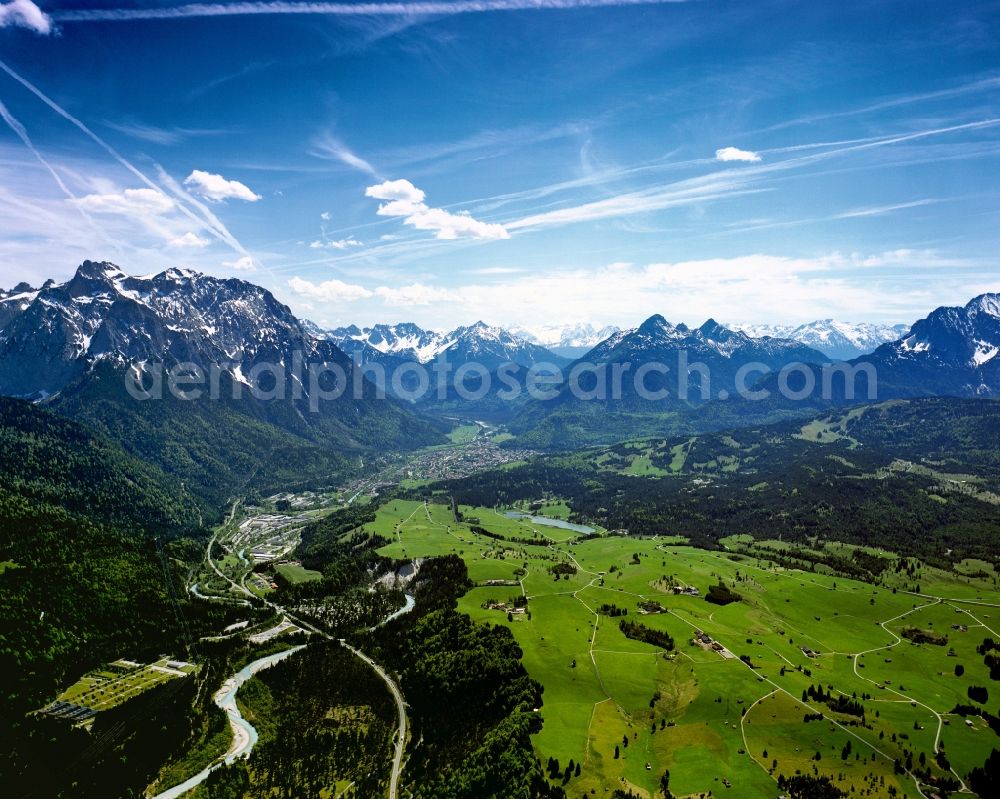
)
(244, 734)
(410, 604)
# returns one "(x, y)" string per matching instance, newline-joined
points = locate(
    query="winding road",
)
(397, 694)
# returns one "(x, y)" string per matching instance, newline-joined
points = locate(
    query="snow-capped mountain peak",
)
(405, 340)
(988, 304)
(967, 337)
(53, 335)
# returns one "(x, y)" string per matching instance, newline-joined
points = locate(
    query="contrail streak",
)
(210, 218)
(215, 227)
(396, 9)
(22, 134)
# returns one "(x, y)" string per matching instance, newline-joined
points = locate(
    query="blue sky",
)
(442, 162)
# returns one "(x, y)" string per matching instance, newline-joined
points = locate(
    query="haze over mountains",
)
(838, 340)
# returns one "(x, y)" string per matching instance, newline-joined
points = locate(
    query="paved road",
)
(397, 695)
(397, 762)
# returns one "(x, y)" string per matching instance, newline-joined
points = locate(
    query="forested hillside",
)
(914, 476)
(90, 539)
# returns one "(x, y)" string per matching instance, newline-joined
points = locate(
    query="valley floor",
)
(628, 711)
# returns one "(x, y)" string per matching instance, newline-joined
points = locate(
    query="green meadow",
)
(627, 711)
(296, 573)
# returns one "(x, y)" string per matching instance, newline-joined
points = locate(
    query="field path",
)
(798, 700)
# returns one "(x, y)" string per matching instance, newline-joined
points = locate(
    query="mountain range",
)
(570, 341)
(70, 344)
(387, 342)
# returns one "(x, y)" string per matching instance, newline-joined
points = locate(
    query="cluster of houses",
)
(271, 535)
(261, 582)
(493, 604)
(704, 640)
(688, 590)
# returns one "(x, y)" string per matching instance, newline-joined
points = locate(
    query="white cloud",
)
(911, 258)
(736, 154)
(158, 135)
(499, 270)
(447, 225)
(328, 291)
(691, 191)
(131, 202)
(325, 216)
(414, 294)
(340, 244)
(396, 9)
(189, 240)
(756, 286)
(882, 210)
(406, 200)
(407, 10)
(216, 188)
(244, 264)
(334, 290)
(400, 208)
(25, 14)
(396, 190)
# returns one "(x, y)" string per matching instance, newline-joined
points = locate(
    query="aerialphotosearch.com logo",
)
(316, 382)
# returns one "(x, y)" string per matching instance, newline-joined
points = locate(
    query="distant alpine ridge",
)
(838, 340)
(571, 341)
(391, 344)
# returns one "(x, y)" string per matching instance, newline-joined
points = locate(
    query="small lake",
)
(545, 521)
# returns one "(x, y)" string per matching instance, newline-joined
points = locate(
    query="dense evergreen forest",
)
(92, 544)
(864, 479)
(218, 448)
(324, 718)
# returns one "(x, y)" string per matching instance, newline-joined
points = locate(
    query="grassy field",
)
(118, 682)
(463, 434)
(296, 573)
(707, 716)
